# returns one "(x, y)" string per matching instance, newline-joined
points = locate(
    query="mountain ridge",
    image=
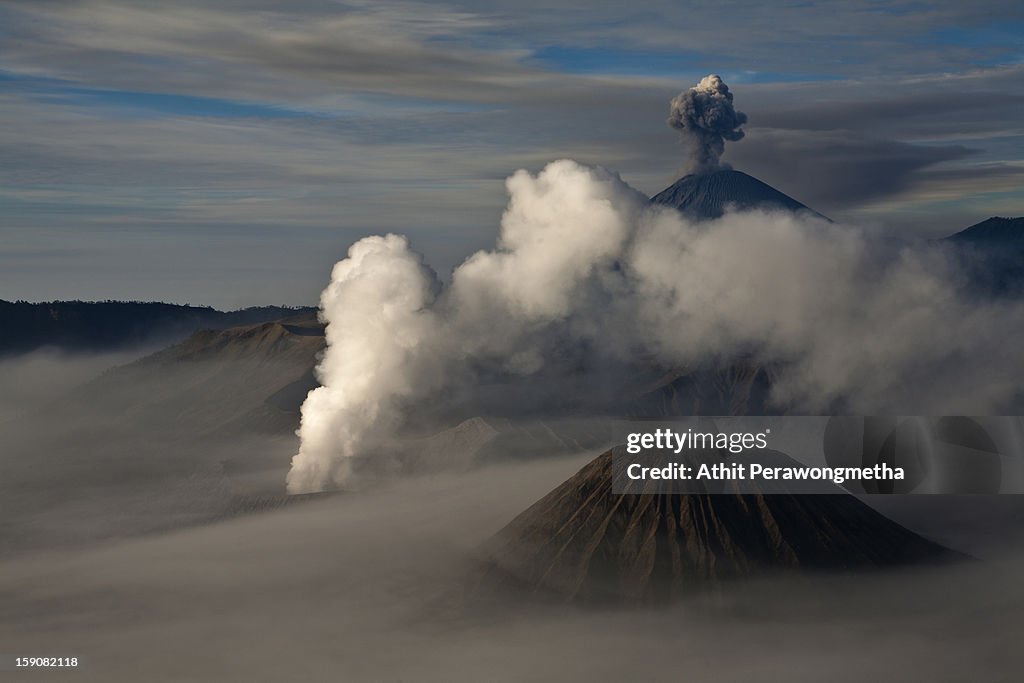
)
(92, 326)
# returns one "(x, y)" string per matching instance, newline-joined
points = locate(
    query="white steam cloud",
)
(379, 330)
(584, 262)
(706, 117)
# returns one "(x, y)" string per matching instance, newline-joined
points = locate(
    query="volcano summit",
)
(707, 196)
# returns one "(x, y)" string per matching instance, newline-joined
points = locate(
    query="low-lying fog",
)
(91, 452)
(115, 551)
(369, 587)
(31, 381)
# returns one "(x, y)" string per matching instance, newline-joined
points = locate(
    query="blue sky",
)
(228, 153)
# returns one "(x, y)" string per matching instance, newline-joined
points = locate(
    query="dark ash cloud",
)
(832, 170)
(705, 116)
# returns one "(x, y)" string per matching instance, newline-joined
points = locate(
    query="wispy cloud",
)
(310, 124)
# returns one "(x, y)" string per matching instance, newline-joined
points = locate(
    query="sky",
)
(228, 153)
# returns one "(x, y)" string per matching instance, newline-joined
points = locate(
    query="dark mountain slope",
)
(584, 543)
(217, 381)
(709, 195)
(995, 232)
(992, 255)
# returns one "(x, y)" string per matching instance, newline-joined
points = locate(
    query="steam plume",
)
(706, 117)
(585, 265)
(379, 328)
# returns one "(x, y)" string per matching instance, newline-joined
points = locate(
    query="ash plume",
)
(585, 265)
(706, 117)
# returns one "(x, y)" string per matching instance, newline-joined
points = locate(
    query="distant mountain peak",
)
(994, 231)
(991, 254)
(707, 196)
